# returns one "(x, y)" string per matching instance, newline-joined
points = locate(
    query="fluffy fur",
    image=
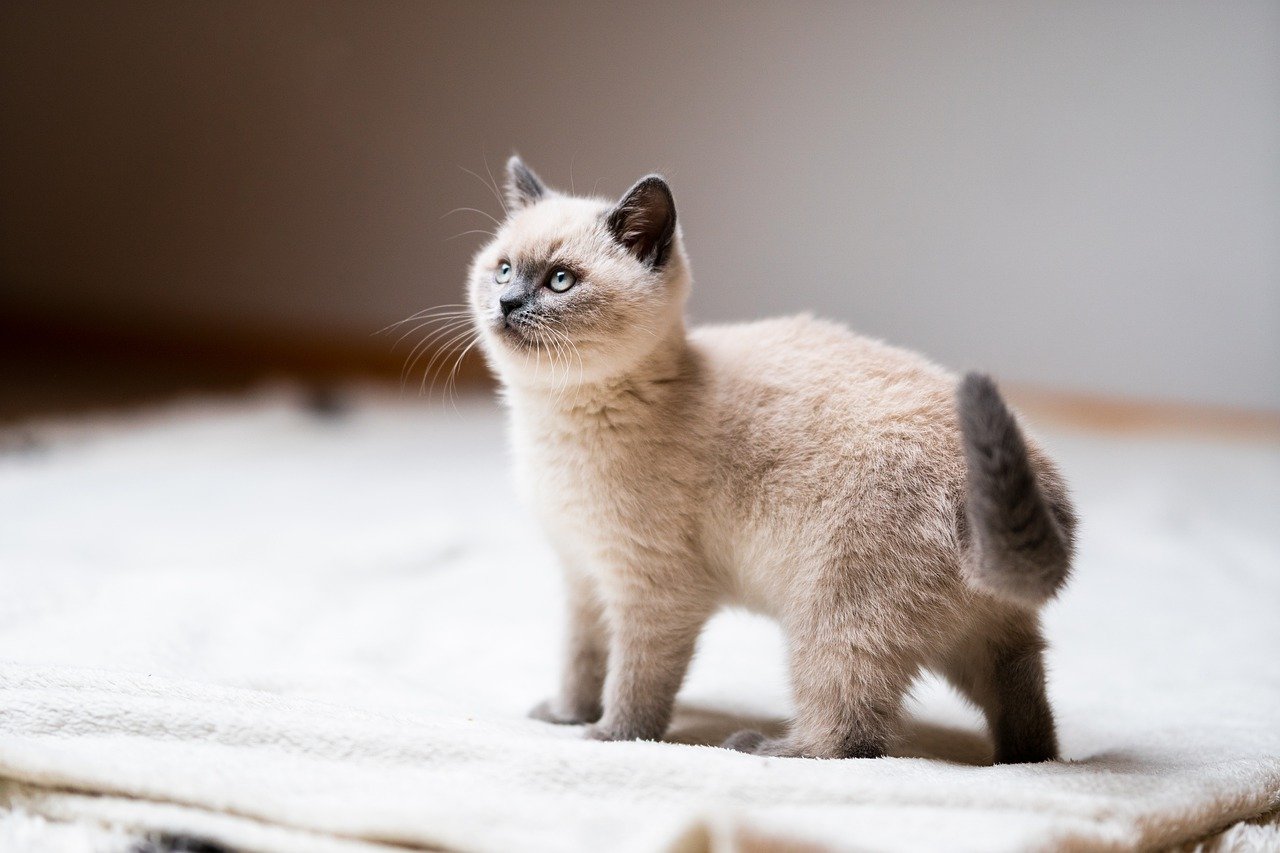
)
(835, 483)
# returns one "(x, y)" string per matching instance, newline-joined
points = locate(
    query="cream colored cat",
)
(889, 517)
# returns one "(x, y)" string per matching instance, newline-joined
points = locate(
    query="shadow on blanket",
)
(698, 725)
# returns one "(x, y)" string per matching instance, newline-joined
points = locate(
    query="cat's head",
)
(578, 289)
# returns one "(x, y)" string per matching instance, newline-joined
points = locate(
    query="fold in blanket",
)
(283, 633)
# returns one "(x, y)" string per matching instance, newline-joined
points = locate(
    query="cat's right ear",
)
(523, 186)
(644, 221)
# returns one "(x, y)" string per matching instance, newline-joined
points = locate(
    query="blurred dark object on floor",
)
(51, 371)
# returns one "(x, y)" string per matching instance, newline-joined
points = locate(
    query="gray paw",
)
(549, 712)
(614, 733)
(746, 740)
(755, 743)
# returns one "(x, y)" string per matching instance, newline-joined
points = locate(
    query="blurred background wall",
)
(1083, 196)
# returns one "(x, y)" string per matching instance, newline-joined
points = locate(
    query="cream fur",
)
(787, 466)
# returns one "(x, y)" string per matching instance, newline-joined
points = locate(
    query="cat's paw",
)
(549, 711)
(744, 741)
(600, 731)
(755, 743)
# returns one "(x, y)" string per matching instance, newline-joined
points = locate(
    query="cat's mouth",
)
(517, 333)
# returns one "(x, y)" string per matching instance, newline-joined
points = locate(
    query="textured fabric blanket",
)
(288, 630)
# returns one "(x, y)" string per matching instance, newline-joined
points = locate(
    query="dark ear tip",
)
(523, 186)
(655, 181)
(516, 166)
(654, 186)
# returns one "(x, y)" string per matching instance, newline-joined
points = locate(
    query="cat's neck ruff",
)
(640, 391)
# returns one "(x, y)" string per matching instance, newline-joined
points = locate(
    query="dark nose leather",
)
(510, 300)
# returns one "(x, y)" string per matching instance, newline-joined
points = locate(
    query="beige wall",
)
(1084, 195)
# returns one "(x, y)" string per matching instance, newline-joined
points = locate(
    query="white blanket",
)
(287, 632)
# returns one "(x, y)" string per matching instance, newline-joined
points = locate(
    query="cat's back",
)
(800, 370)
(816, 422)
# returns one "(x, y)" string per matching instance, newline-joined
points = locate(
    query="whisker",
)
(552, 353)
(418, 315)
(429, 314)
(443, 351)
(560, 345)
(496, 192)
(563, 334)
(449, 322)
(537, 370)
(492, 189)
(454, 345)
(452, 384)
(423, 346)
(444, 318)
(561, 342)
(472, 231)
(488, 216)
(577, 354)
(431, 370)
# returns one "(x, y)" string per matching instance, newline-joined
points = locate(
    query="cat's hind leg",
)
(1001, 670)
(848, 699)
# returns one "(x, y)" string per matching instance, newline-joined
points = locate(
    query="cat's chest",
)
(598, 497)
(576, 479)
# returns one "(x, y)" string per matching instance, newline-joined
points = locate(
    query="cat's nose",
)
(511, 299)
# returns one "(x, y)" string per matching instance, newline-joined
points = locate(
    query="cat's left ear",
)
(523, 186)
(644, 221)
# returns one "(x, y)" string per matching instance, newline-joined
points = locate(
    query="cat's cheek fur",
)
(888, 521)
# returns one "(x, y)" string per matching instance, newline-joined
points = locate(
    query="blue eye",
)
(561, 280)
(503, 275)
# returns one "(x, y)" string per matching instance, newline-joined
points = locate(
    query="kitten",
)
(890, 518)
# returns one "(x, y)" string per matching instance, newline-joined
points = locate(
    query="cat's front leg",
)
(653, 639)
(586, 657)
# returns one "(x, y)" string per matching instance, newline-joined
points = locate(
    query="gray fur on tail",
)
(1021, 539)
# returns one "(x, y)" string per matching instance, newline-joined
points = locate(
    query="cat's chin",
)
(516, 337)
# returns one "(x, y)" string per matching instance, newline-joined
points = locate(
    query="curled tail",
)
(1021, 538)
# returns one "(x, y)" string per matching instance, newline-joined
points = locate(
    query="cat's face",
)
(577, 289)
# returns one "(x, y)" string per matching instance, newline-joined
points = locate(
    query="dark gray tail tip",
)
(977, 389)
(983, 413)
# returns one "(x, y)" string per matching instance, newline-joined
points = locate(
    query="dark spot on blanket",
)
(21, 443)
(168, 842)
(327, 402)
